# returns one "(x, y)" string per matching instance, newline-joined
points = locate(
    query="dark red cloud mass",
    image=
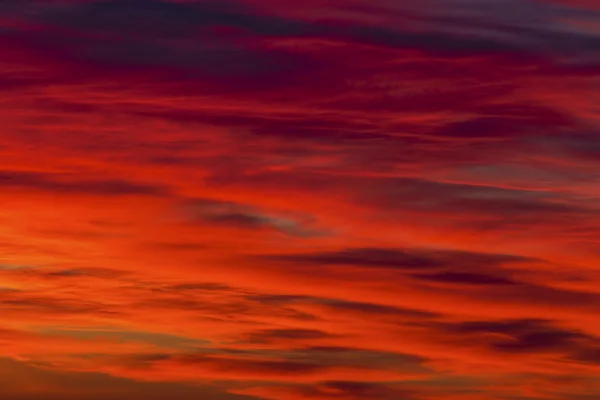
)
(309, 200)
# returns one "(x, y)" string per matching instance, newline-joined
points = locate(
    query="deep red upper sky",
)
(300, 200)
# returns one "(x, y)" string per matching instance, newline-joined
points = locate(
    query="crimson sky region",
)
(325, 200)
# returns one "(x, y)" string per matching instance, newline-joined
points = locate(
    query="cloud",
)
(291, 334)
(245, 216)
(57, 183)
(311, 200)
(18, 377)
(465, 278)
(329, 390)
(165, 18)
(199, 368)
(526, 335)
(411, 260)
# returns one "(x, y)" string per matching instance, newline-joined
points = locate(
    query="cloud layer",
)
(259, 200)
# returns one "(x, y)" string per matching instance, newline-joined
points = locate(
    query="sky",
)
(294, 200)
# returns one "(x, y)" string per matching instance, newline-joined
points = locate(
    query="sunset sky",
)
(300, 200)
